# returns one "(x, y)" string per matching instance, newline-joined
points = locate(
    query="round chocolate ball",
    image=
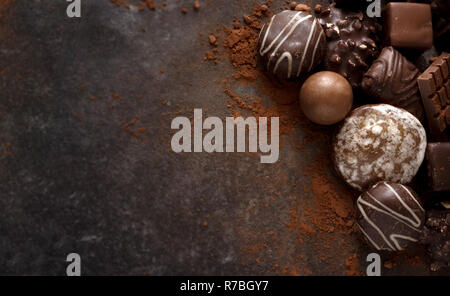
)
(326, 97)
(390, 216)
(379, 143)
(291, 44)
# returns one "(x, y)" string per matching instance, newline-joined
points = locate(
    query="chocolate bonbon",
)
(434, 85)
(326, 97)
(351, 42)
(408, 25)
(379, 143)
(291, 44)
(438, 165)
(390, 216)
(392, 79)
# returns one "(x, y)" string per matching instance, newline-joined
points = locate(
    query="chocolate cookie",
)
(351, 42)
(392, 79)
(291, 44)
(379, 143)
(390, 216)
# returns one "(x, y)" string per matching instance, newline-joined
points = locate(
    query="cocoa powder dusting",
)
(321, 216)
(287, 116)
(241, 43)
(196, 5)
(352, 265)
(139, 4)
(325, 219)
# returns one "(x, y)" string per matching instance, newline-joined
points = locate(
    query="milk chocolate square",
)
(408, 25)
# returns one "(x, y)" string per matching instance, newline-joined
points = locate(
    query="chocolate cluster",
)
(379, 147)
(351, 42)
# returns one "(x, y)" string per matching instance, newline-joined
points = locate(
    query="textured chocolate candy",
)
(390, 216)
(392, 79)
(291, 44)
(438, 165)
(379, 143)
(351, 42)
(434, 85)
(408, 25)
(326, 97)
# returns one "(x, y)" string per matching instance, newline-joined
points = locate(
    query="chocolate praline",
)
(392, 79)
(390, 216)
(326, 97)
(291, 44)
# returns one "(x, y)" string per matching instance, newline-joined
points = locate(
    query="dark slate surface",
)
(73, 180)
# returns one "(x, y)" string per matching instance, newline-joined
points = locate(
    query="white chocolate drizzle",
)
(313, 27)
(315, 49)
(289, 58)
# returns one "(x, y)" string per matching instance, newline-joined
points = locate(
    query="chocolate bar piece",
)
(408, 25)
(434, 85)
(392, 79)
(438, 164)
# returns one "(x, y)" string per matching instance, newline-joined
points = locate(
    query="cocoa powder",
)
(331, 210)
(139, 4)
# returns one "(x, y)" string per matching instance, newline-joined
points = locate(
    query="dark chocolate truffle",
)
(326, 97)
(291, 44)
(392, 79)
(390, 216)
(379, 143)
(351, 42)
